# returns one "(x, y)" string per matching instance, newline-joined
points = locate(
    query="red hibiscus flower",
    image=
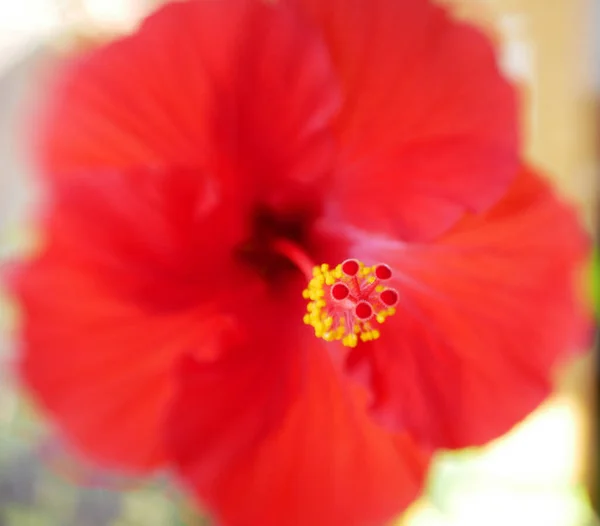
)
(203, 172)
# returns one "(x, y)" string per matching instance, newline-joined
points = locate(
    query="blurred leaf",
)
(596, 281)
(17, 516)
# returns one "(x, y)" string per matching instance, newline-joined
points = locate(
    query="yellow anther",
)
(350, 341)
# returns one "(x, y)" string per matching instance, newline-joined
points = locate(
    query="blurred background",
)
(543, 473)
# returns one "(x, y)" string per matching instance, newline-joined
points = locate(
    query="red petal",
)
(149, 233)
(236, 87)
(123, 286)
(324, 463)
(99, 365)
(426, 116)
(485, 314)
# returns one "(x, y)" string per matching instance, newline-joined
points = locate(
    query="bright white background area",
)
(26, 23)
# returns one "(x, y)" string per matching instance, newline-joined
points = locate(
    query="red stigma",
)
(339, 291)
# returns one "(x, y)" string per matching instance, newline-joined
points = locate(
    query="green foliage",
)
(596, 281)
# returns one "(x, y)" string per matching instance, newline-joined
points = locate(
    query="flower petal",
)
(486, 313)
(239, 87)
(323, 462)
(129, 277)
(426, 115)
(100, 366)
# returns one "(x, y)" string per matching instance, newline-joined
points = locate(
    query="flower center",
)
(349, 301)
(346, 303)
(260, 250)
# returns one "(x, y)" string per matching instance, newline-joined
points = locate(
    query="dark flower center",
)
(346, 303)
(260, 251)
